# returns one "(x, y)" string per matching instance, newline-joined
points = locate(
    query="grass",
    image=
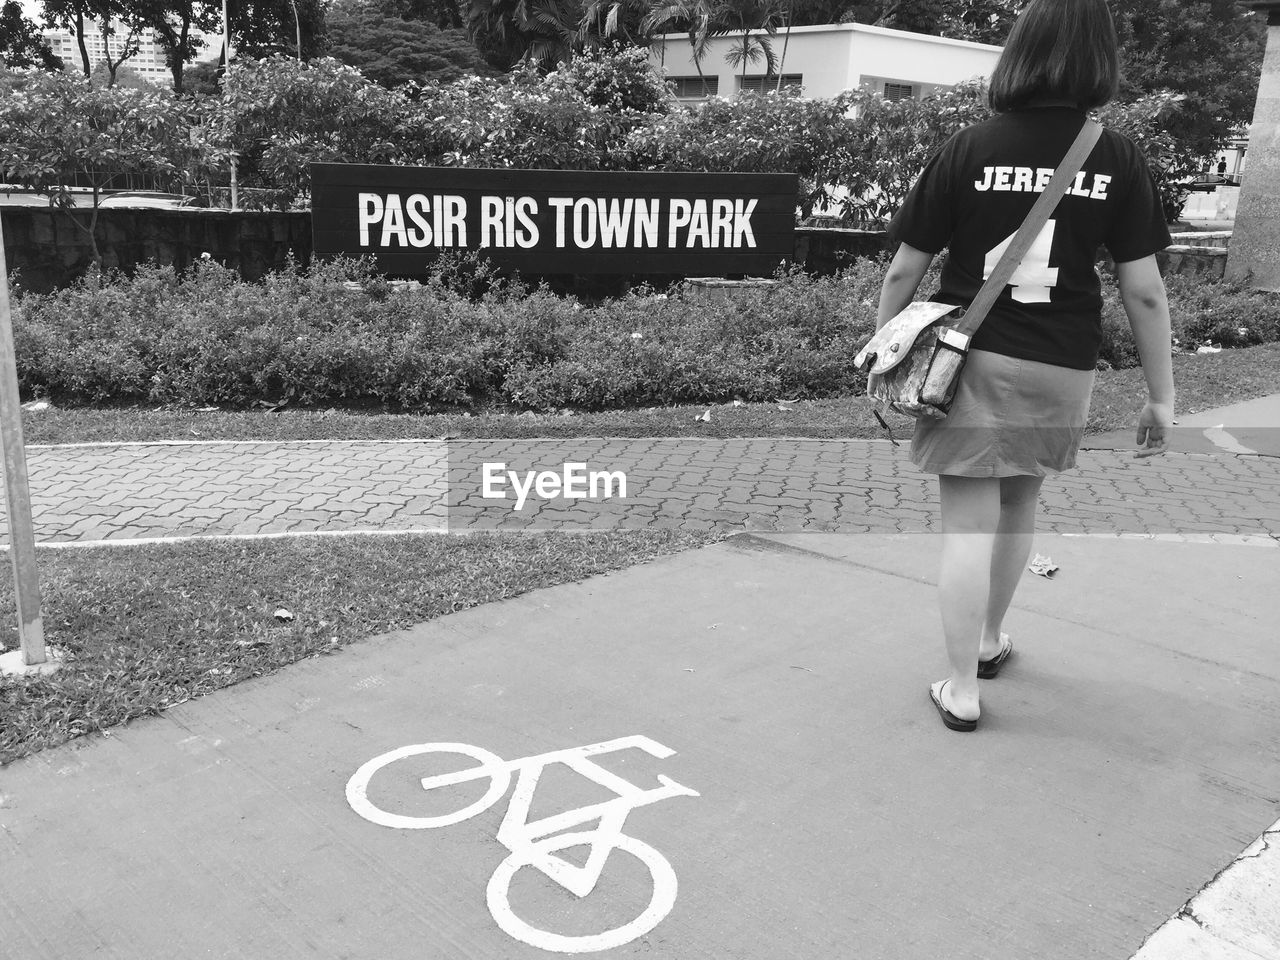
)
(1203, 381)
(149, 627)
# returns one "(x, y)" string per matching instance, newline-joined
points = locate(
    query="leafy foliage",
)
(1147, 122)
(340, 334)
(21, 44)
(208, 337)
(265, 28)
(55, 128)
(178, 25)
(394, 52)
(1208, 51)
(278, 115)
(508, 31)
(889, 143)
(617, 77)
(757, 20)
(576, 117)
(754, 133)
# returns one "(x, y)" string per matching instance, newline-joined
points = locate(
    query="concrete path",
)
(1250, 427)
(814, 806)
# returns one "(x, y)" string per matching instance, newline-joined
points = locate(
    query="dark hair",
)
(1058, 50)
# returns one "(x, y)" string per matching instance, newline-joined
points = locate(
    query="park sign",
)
(556, 221)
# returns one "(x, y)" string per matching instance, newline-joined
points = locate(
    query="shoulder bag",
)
(914, 360)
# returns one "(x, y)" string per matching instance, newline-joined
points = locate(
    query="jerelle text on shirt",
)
(1093, 186)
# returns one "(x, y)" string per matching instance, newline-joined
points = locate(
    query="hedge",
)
(337, 334)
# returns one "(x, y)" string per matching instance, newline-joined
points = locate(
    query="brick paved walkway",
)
(112, 492)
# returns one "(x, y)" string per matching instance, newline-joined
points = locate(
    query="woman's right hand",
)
(1154, 426)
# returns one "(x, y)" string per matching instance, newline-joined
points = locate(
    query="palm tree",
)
(696, 15)
(786, 39)
(507, 31)
(707, 19)
(622, 20)
(749, 15)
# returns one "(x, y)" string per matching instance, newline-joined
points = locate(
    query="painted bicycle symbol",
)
(535, 843)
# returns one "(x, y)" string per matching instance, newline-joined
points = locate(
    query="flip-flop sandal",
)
(950, 719)
(989, 669)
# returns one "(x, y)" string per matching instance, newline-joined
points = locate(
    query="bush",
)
(1227, 314)
(340, 334)
(753, 133)
(889, 143)
(208, 338)
(279, 115)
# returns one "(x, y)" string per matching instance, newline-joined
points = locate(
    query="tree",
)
(114, 17)
(982, 21)
(611, 22)
(125, 76)
(445, 14)
(176, 24)
(393, 52)
(508, 31)
(705, 20)
(203, 79)
(618, 78)
(1209, 51)
(70, 15)
(278, 115)
(889, 142)
(55, 128)
(263, 28)
(749, 16)
(754, 133)
(21, 44)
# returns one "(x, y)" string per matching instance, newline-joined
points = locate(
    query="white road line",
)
(136, 541)
(439, 440)
(414, 531)
(206, 443)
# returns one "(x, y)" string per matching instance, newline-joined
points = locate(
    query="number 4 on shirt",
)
(1034, 278)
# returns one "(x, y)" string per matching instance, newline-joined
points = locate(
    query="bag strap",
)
(1030, 228)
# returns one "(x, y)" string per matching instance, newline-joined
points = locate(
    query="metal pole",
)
(22, 541)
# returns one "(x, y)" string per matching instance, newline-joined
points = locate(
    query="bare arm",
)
(1143, 295)
(901, 282)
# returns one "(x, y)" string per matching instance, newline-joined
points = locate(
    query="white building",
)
(148, 63)
(823, 61)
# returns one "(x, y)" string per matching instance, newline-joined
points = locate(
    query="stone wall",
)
(48, 249)
(824, 250)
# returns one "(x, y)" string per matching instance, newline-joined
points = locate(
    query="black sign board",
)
(556, 221)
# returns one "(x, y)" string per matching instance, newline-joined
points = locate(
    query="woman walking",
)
(1023, 398)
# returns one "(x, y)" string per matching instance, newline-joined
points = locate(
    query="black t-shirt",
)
(975, 194)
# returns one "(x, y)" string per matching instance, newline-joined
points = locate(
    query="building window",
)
(763, 84)
(899, 91)
(696, 88)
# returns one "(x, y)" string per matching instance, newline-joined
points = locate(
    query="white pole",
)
(22, 542)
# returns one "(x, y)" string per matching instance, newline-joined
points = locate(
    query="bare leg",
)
(1019, 497)
(970, 518)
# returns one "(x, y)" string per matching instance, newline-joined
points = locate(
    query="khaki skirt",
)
(1010, 418)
